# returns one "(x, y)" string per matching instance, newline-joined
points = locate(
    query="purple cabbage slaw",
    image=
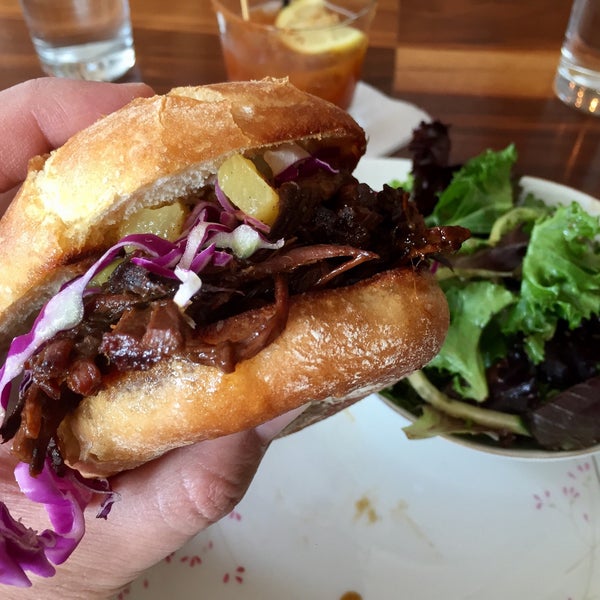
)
(65, 499)
(209, 237)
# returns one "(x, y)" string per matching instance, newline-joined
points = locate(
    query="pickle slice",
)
(165, 222)
(245, 187)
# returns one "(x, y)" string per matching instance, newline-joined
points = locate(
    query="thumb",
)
(167, 501)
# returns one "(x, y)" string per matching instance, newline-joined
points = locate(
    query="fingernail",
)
(139, 88)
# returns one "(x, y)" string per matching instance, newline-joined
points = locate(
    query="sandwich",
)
(198, 263)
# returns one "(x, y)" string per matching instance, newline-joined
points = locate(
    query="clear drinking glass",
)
(577, 81)
(81, 39)
(319, 44)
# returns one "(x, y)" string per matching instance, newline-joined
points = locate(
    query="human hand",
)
(164, 503)
(39, 115)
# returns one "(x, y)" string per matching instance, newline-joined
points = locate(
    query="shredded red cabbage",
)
(284, 156)
(224, 201)
(65, 310)
(64, 498)
(231, 215)
(303, 167)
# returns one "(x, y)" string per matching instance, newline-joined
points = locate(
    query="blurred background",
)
(429, 46)
(484, 66)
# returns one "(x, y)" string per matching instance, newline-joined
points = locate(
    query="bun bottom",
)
(338, 346)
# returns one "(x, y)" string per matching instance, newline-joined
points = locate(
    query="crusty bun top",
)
(149, 153)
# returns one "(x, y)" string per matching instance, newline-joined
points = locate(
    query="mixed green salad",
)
(520, 366)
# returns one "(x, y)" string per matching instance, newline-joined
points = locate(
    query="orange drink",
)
(319, 45)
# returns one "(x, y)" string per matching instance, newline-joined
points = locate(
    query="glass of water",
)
(81, 39)
(577, 81)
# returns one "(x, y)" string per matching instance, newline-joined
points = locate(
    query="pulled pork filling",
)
(337, 232)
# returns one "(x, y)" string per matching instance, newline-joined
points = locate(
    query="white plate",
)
(388, 122)
(350, 505)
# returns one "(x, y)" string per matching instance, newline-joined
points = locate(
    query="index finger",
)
(40, 115)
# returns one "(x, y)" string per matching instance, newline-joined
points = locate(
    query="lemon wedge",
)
(243, 184)
(310, 28)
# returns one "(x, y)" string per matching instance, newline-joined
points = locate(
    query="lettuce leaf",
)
(433, 422)
(523, 216)
(472, 306)
(571, 419)
(479, 193)
(561, 277)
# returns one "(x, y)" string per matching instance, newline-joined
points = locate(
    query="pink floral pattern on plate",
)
(576, 499)
(185, 559)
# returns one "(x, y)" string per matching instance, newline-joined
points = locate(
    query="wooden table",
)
(483, 66)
